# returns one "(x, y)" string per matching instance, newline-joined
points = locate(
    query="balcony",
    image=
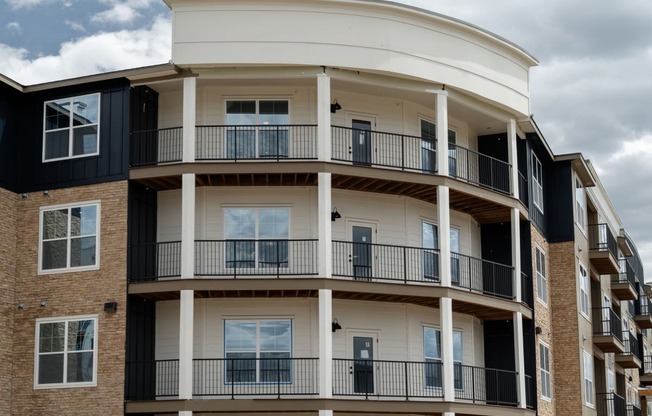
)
(623, 285)
(298, 258)
(610, 404)
(276, 143)
(631, 356)
(603, 249)
(645, 374)
(632, 410)
(607, 330)
(643, 316)
(279, 378)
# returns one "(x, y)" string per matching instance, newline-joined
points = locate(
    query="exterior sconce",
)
(44, 303)
(335, 215)
(21, 305)
(110, 306)
(46, 193)
(336, 325)
(335, 106)
(538, 330)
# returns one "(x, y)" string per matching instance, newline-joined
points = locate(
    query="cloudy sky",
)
(591, 93)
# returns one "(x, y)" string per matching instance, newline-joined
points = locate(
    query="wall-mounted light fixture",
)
(336, 325)
(25, 195)
(538, 330)
(21, 305)
(110, 306)
(335, 215)
(44, 303)
(335, 106)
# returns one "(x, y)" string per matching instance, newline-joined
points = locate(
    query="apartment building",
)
(353, 215)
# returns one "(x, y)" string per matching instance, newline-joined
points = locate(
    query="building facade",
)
(354, 214)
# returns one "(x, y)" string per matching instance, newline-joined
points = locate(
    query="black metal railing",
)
(632, 410)
(647, 364)
(631, 346)
(387, 378)
(147, 380)
(486, 385)
(150, 147)
(376, 148)
(479, 169)
(480, 275)
(256, 142)
(237, 258)
(601, 239)
(523, 188)
(530, 392)
(607, 322)
(154, 260)
(527, 294)
(628, 276)
(279, 377)
(610, 404)
(643, 305)
(366, 261)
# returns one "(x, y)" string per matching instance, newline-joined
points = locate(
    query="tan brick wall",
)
(543, 319)
(7, 276)
(70, 294)
(563, 286)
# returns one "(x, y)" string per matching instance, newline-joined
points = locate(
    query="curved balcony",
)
(276, 143)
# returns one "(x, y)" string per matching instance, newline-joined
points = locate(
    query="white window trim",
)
(98, 227)
(66, 385)
(587, 280)
(588, 395)
(441, 360)
(70, 129)
(581, 222)
(535, 181)
(548, 371)
(544, 277)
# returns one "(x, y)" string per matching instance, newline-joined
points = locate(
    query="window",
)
(258, 351)
(588, 379)
(430, 242)
(71, 127)
(69, 237)
(537, 183)
(584, 291)
(432, 355)
(429, 148)
(66, 352)
(542, 282)
(580, 203)
(269, 137)
(544, 367)
(256, 237)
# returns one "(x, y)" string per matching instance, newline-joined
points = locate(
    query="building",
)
(350, 213)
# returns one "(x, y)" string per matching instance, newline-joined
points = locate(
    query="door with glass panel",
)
(362, 252)
(257, 129)
(363, 364)
(361, 142)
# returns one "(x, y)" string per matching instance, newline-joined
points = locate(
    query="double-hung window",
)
(66, 352)
(584, 291)
(430, 245)
(257, 129)
(588, 379)
(71, 127)
(429, 148)
(257, 237)
(258, 351)
(544, 368)
(537, 182)
(433, 359)
(542, 281)
(69, 237)
(580, 204)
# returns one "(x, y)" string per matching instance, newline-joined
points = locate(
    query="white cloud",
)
(25, 4)
(76, 26)
(93, 54)
(14, 28)
(125, 11)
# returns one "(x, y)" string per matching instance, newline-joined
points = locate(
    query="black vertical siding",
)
(140, 371)
(559, 196)
(10, 101)
(141, 258)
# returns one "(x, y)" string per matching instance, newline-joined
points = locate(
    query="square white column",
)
(188, 226)
(189, 116)
(443, 230)
(323, 117)
(325, 248)
(186, 319)
(446, 317)
(325, 343)
(442, 132)
(512, 155)
(516, 253)
(519, 358)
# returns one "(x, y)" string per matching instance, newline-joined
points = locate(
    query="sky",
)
(591, 93)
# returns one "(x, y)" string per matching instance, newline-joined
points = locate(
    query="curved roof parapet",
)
(369, 36)
(635, 259)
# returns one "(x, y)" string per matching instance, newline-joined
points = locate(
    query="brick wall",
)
(70, 294)
(563, 285)
(543, 319)
(7, 305)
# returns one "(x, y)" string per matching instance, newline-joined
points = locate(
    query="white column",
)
(325, 343)
(442, 132)
(185, 412)
(323, 117)
(512, 155)
(189, 112)
(325, 413)
(446, 317)
(516, 252)
(518, 356)
(325, 248)
(186, 318)
(187, 226)
(443, 229)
